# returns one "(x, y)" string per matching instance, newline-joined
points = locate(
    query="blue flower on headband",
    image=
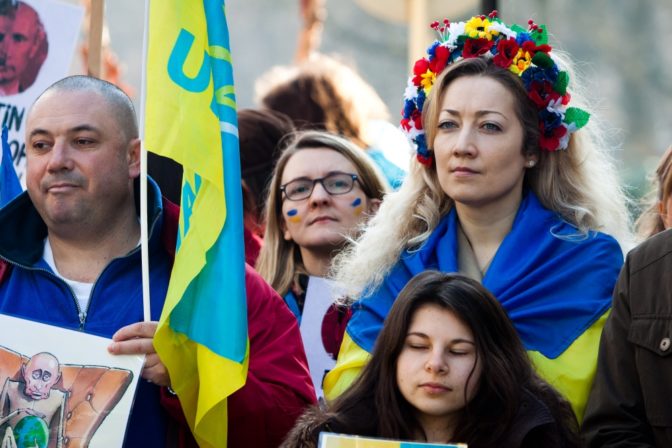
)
(539, 74)
(550, 120)
(421, 100)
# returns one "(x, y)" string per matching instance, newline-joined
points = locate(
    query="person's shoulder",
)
(306, 431)
(657, 248)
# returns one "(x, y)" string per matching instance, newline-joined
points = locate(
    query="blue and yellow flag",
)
(191, 118)
(10, 187)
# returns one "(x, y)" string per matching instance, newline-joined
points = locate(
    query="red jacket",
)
(278, 387)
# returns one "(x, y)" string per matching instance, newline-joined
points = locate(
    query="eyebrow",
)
(478, 113)
(453, 341)
(80, 128)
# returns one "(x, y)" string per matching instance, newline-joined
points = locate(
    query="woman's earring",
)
(530, 163)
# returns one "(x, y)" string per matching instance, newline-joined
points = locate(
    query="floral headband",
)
(524, 52)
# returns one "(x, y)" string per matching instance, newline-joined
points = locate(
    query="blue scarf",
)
(553, 282)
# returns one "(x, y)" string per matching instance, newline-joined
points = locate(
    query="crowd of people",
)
(479, 293)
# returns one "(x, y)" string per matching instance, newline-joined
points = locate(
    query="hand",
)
(138, 339)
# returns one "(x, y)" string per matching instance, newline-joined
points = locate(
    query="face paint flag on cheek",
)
(357, 206)
(293, 215)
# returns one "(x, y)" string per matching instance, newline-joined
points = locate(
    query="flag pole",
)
(144, 236)
(95, 37)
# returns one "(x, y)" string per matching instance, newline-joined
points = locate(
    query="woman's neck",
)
(436, 429)
(316, 262)
(486, 227)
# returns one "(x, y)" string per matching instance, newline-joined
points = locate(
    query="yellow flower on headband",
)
(478, 28)
(428, 81)
(521, 62)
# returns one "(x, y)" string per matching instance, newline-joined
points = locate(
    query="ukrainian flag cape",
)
(553, 282)
(191, 118)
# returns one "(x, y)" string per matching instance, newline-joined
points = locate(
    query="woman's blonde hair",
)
(580, 184)
(280, 260)
(650, 222)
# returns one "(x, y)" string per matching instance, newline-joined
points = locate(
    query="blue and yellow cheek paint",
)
(293, 216)
(357, 206)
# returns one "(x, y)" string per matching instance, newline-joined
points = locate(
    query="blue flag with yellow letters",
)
(191, 117)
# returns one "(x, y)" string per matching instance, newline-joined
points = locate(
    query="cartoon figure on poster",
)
(31, 409)
(47, 404)
(23, 46)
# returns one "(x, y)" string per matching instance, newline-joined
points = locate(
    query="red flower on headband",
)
(427, 161)
(551, 142)
(416, 116)
(507, 49)
(420, 68)
(476, 47)
(542, 93)
(532, 48)
(441, 55)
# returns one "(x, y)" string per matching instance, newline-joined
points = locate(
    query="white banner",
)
(62, 388)
(37, 43)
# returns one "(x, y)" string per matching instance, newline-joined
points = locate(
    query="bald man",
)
(71, 241)
(69, 257)
(23, 47)
(34, 396)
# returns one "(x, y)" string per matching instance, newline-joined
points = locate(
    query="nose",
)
(465, 144)
(60, 158)
(319, 196)
(436, 362)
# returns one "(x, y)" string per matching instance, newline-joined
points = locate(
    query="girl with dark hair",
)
(448, 366)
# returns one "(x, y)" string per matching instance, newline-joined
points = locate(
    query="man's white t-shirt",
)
(82, 290)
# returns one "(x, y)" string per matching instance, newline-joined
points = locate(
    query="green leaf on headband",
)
(560, 85)
(518, 29)
(542, 60)
(540, 35)
(577, 116)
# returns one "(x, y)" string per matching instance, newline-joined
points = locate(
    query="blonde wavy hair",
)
(580, 184)
(280, 261)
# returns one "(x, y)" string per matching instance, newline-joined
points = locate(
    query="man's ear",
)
(23, 371)
(133, 158)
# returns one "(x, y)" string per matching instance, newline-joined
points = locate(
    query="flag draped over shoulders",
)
(191, 117)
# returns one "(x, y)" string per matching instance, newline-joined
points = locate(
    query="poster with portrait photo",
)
(62, 388)
(38, 39)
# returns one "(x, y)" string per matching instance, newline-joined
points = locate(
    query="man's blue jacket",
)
(29, 289)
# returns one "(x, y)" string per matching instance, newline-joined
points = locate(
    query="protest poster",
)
(331, 440)
(37, 43)
(320, 319)
(62, 388)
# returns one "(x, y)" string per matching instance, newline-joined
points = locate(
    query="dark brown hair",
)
(650, 222)
(506, 369)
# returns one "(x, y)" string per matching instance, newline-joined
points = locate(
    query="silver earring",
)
(530, 163)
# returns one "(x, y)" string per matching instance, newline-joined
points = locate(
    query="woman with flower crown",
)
(505, 189)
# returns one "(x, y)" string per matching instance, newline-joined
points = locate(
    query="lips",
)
(60, 187)
(435, 388)
(463, 170)
(321, 219)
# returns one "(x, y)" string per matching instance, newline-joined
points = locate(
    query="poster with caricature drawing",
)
(61, 387)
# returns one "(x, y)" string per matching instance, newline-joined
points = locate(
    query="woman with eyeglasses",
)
(323, 188)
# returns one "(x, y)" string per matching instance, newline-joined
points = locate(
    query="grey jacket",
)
(631, 400)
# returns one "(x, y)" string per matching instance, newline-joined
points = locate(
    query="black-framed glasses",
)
(334, 184)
